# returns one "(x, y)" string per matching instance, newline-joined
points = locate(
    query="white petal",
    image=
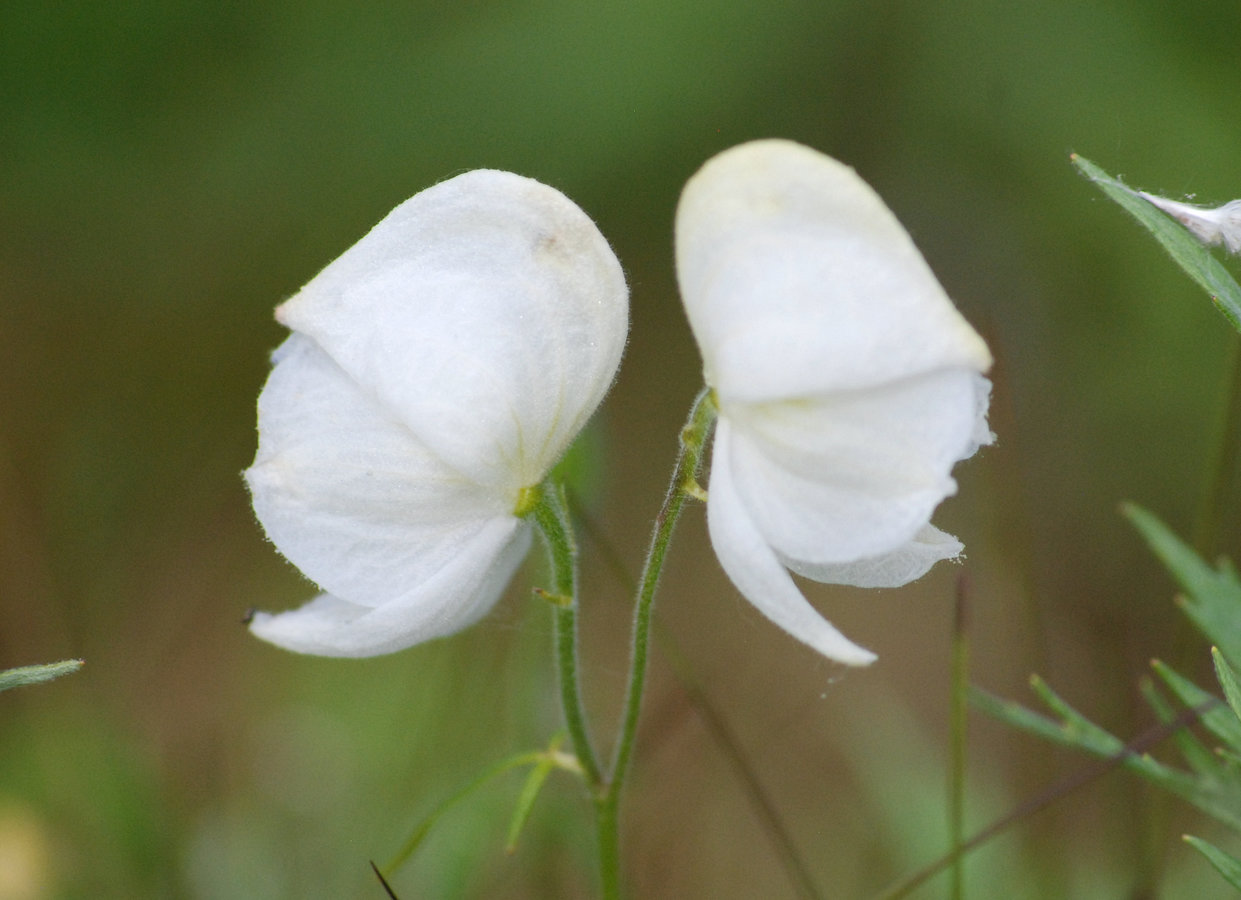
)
(453, 598)
(798, 280)
(759, 575)
(852, 474)
(983, 435)
(907, 563)
(487, 312)
(347, 493)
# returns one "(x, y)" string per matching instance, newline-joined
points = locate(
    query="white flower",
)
(847, 383)
(436, 370)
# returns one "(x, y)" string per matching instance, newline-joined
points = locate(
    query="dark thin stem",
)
(383, 881)
(794, 866)
(959, 731)
(1142, 743)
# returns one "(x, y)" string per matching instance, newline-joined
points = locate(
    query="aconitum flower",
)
(436, 371)
(847, 384)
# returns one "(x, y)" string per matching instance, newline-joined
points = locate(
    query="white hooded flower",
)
(436, 370)
(847, 383)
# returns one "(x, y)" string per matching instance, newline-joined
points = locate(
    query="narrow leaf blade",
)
(1226, 864)
(1213, 596)
(1186, 250)
(525, 802)
(1228, 681)
(19, 677)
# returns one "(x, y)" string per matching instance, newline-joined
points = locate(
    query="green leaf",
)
(11, 678)
(1012, 713)
(1197, 754)
(1214, 796)
(1214, 714)
(1185, 249)
(1227, 865)
(420, 832)
(1079, 730)
(1228, 681)
(1213, 596)
(525, 801)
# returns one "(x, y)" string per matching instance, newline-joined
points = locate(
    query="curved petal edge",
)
(758, 574)
(455, 597)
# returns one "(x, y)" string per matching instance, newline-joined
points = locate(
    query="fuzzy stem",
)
(684, 484)
(550, 515)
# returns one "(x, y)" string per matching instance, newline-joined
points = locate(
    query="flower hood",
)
(435, 370)
(846, 381)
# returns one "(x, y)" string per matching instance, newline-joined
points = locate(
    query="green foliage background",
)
(171, 170)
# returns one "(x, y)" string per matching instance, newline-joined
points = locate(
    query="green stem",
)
(1213, 502)
(551, 516)
(960, 723)
(727, 743)
(1224, 459)
(1144, 742)
(684, 484)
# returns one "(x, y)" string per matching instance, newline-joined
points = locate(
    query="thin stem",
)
(1224, 459)
(684, 484)
(1139, 745)
(726, 742)
(571, 695)
(959, 718)
(1213, 501)
(730, 747)
(550, 515)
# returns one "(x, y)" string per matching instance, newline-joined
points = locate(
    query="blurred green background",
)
(171, 170)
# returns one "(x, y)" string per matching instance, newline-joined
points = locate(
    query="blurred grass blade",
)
(1076, 729)
(1228, 681)
(529, 793)
(1221, 799)
(1227, 865)
(420, 832)
(958, 716)
(1197, 754)
(11, 678)
(1213, 595)
(1013, 713)
(1213, 714)
(1185, 249)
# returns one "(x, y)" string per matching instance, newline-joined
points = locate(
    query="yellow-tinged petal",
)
(798, 280)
